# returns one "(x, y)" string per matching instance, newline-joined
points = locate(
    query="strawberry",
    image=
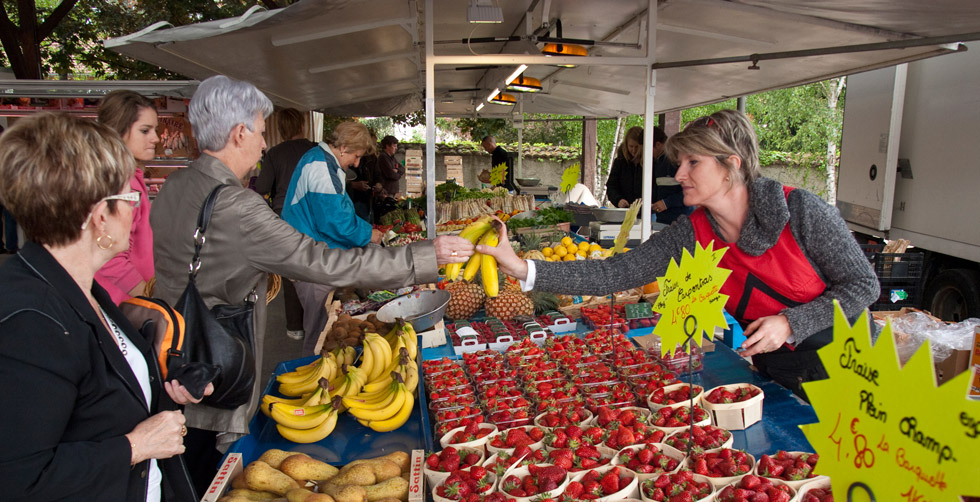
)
(471, 458)
(574, 489)
(432, 461)
(610, 481)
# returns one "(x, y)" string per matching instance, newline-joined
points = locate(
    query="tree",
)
(22, 40)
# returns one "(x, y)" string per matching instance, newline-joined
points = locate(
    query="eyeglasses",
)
(132, 197)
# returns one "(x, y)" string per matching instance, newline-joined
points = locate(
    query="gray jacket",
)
(245, 242)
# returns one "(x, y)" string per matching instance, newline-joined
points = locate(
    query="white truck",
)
(910, 169)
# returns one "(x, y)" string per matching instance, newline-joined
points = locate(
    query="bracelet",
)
(132, 453)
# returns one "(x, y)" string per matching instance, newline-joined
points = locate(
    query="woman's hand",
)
(452, 249)
(767, 334)
(180, 395)
(659, 206)
(507, 261)
(160, 436)
(623, 203)
(376, 236)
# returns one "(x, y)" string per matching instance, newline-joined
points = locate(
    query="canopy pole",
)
(430, 125)
(520, 141)
(648, 117)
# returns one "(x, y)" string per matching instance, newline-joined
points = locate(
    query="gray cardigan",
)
(817, 226)
(245, 242)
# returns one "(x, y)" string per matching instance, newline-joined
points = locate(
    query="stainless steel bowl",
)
(609, 214)
(422, 308)
(529, 182)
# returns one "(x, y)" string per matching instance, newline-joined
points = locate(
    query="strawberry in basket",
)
(573, 436)
(818, 495)
(705, 438)
(541, 479)
(678, 417)
(675, 396)
(753, 487)
(471, 432)
(512, 438)
(447, 414)
(577, 459)
(788, 467)
(678, 486)
(450, 459)
(461, 484)
(571, 414)
(606, 415)
(648, 460)
(596, 484)
(526, 455)
(721, 464)
(721, 395)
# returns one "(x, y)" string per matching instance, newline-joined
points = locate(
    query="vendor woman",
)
(790, 253)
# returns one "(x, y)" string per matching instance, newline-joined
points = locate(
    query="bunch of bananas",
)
(479, 232)
(387, 404)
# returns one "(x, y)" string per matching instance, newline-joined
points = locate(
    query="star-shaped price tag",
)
(498, 173)
(570, 177)
(690, 303)
(891, 428)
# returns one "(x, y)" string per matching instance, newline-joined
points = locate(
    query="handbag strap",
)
(203, 218)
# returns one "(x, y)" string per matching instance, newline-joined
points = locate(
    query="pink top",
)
(125, 270)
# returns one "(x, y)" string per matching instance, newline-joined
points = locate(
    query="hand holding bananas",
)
(452, 249)
(507, 260)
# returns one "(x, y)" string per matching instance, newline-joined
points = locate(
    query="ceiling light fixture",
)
(483, 12)
(493, 94)
(479, 106)
(562, 49)
(525, 84)
(504, 99)
(520, 69)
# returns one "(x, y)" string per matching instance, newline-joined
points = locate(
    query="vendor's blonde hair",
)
(720, 135)
(54, 168)
(354, 136)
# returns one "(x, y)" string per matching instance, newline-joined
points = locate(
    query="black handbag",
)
(220, 340)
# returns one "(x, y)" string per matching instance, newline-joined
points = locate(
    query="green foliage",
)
(480, 127)
(546, 216)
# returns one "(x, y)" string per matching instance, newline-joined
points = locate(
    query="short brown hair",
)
(634, 133)
(353, 135)
(54, 168)
(291, 123)
(720, 135)
(121, 109)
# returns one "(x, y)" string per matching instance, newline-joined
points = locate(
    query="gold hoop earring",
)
(99, 241)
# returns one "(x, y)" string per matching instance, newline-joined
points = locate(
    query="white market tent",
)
(386, 57)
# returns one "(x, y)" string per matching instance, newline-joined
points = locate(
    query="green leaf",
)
(624, 231)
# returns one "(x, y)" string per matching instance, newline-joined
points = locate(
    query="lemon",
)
(595, 247)
(568, 257)
(581, 252)
(583, 246)
(547, 252)
(561, 252)
(566, 240)
(572, 248)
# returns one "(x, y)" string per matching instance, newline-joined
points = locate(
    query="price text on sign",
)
(889, 427)
(690, 292)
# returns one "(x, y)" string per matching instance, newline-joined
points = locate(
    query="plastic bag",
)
(913, 328)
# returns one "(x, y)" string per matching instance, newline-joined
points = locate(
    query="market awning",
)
(367, 58)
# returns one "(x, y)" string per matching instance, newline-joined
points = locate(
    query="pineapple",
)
(509, 304)
(465, 299)
(543, 301)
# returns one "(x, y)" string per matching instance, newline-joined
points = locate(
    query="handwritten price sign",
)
(892, 428)
(689, 300)
(498, 173)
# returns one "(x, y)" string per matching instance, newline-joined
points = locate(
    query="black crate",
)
(897, 272)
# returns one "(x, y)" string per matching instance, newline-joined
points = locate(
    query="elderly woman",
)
(790, 253)
(246, 241)
(135, 119)
(318, 206)
(81, 388)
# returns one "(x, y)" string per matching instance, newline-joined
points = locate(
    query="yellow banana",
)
(384, 354)
(312, 435)
(357, 402)
(399, 418)
(369, 400)
(488, 265)
(475, 230)
(472, 266)
(349, 354)
(410, 345)
(268, 399)
(301, 373)
(299, 417)
(411, 377)
(377, 385)
(306, 386)
(385, 412)
(369, 358)
(452, 271)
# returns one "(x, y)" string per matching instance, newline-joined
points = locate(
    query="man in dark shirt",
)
(498, 156)
(280, 161)
(389, 169)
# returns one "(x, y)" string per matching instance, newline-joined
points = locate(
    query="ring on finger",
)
(183, 430)
(454, 253)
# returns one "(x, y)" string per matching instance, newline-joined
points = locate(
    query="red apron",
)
(764, 285)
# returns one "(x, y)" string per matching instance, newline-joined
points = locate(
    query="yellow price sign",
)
(498, 173)
(888, 427)
(690, 302)
(569, 177)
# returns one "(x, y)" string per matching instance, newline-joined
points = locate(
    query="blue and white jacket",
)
(317, 205)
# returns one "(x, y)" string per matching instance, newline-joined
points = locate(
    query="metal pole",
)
(430, 125)
(648, 117)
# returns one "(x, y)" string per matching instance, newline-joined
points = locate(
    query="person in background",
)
(389, 169)
(625, 182)
(9, 235)
(278, 165)
(790, 253)
(134, 118)
(498, 156)
(87, 415)
(361, 188)
(246, 241)
(317, 206)
(668, 196)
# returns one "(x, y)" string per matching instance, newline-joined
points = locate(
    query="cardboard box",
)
(230, 469)
(953, 365)
(975, 365)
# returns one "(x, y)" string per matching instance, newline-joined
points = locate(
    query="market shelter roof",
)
(367, 57)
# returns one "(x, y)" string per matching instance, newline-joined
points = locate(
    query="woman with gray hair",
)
(790, 253)
(246, 240)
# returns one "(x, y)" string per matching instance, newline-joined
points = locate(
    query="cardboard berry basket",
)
(671, 430)
(534, 446)
(720, 482)
(446, 439)
(586, 416)
(819, 482)
(697, 477)
(487, 491)
(727, 444)
(796, 485)
(521, 472)
(793, 492)
(434, 477)
(668, 450)
(632, 489)
(698, 391)
(735, 416)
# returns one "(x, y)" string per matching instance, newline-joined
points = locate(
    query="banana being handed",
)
(488, 265)
(313, 434)
(472, 232)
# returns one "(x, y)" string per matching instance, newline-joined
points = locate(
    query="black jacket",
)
(625, 181)
(278, 165)
(500, 156)
(68, 394)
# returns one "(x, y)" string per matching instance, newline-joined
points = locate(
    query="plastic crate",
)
(899, 275)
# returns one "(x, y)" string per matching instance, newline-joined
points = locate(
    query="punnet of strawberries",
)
(637, 433)
(471, 432)
(525, 454)
(442, 428)
(677, 417)
(818, 495)
(787, 466)
(627, 417)
(647, 460)
(577, 459)
(496, 404)
(676, 487)
(512, 417)
(722, 463)
(540, 479)
(544, 404)
(596, 484)
(447, 414)
(432, 366)
(660, 396)
(573, 436)
(705, 438)
(751, 488)
(463, 485)
(737, 395)
(502, 389)
(512, 438)
(451, 459)
(556, 390)
(453, 402)
(447, 396)
(564, 416)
